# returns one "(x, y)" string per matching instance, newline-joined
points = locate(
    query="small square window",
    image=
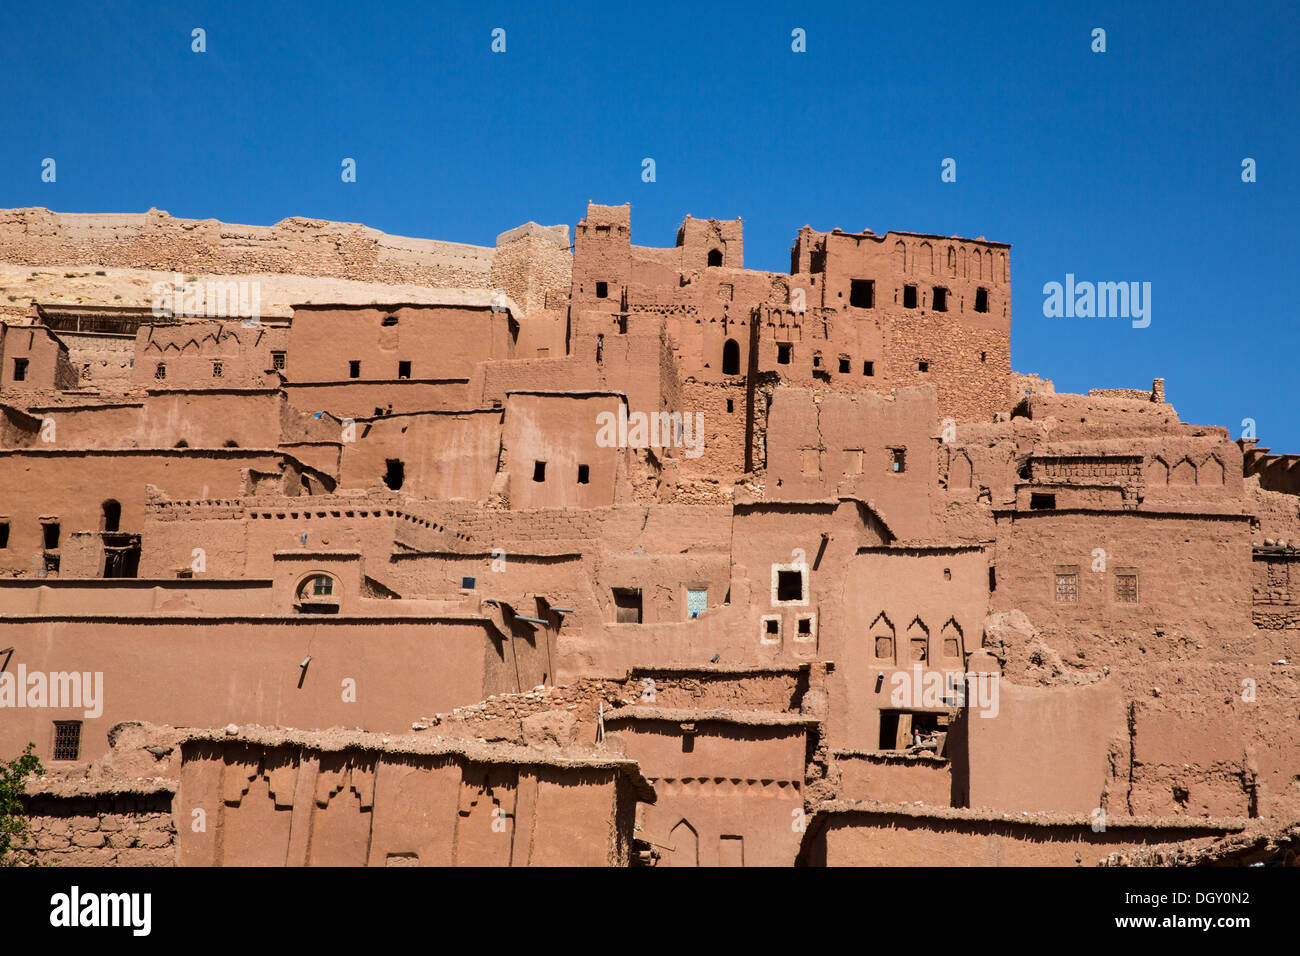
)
(1126, 588)
(862, 293)
(817, 360)
(403, 369)
(602, 290)
(803, 627)
(697, 601)
(584, 474)
(277, 361)
(789, 586)
(1067, 587)
(771, 630)
(67, 739)
(20, 370)
(783, 354)
(467, 583)
(354, 368)
(627, 605)
(844, 365)
(909, 297)
(923, 366)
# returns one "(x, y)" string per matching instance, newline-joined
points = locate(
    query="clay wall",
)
(729, 794)
(885, 837)
(1192, 583)
(241, 669)
(438, 342)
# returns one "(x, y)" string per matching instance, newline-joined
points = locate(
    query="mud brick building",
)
(609, 554)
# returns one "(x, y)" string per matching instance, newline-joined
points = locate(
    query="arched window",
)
(731, 357)
(715, 257)
(110, 516)
(316, 595)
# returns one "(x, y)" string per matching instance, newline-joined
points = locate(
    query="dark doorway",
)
(731, 357)
(111, 516)
(394, 473)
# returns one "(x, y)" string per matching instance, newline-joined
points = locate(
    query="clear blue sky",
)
(1123, 165)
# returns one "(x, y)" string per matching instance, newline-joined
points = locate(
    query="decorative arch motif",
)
(952, 641)
(918, 640)
(882, 636)
(1157, 471)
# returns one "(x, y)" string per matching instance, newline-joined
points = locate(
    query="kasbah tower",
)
(380, 551)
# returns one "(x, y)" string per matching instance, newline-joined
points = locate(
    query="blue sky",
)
(1115, 166)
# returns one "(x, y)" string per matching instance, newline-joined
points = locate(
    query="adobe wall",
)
(905, 836)
(729, 794)
(555, 452)
(533, 259)
(438, 342)
(1224, 744)
(894, 778)
(302, 806)
(443, 455)
(207, 354)
(33, 362)
(240, 668)
(120, 827)
(827, 443)
(1193, 580)
(902, 609)
(530, 261)
(68, 487)
(1044, 749)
